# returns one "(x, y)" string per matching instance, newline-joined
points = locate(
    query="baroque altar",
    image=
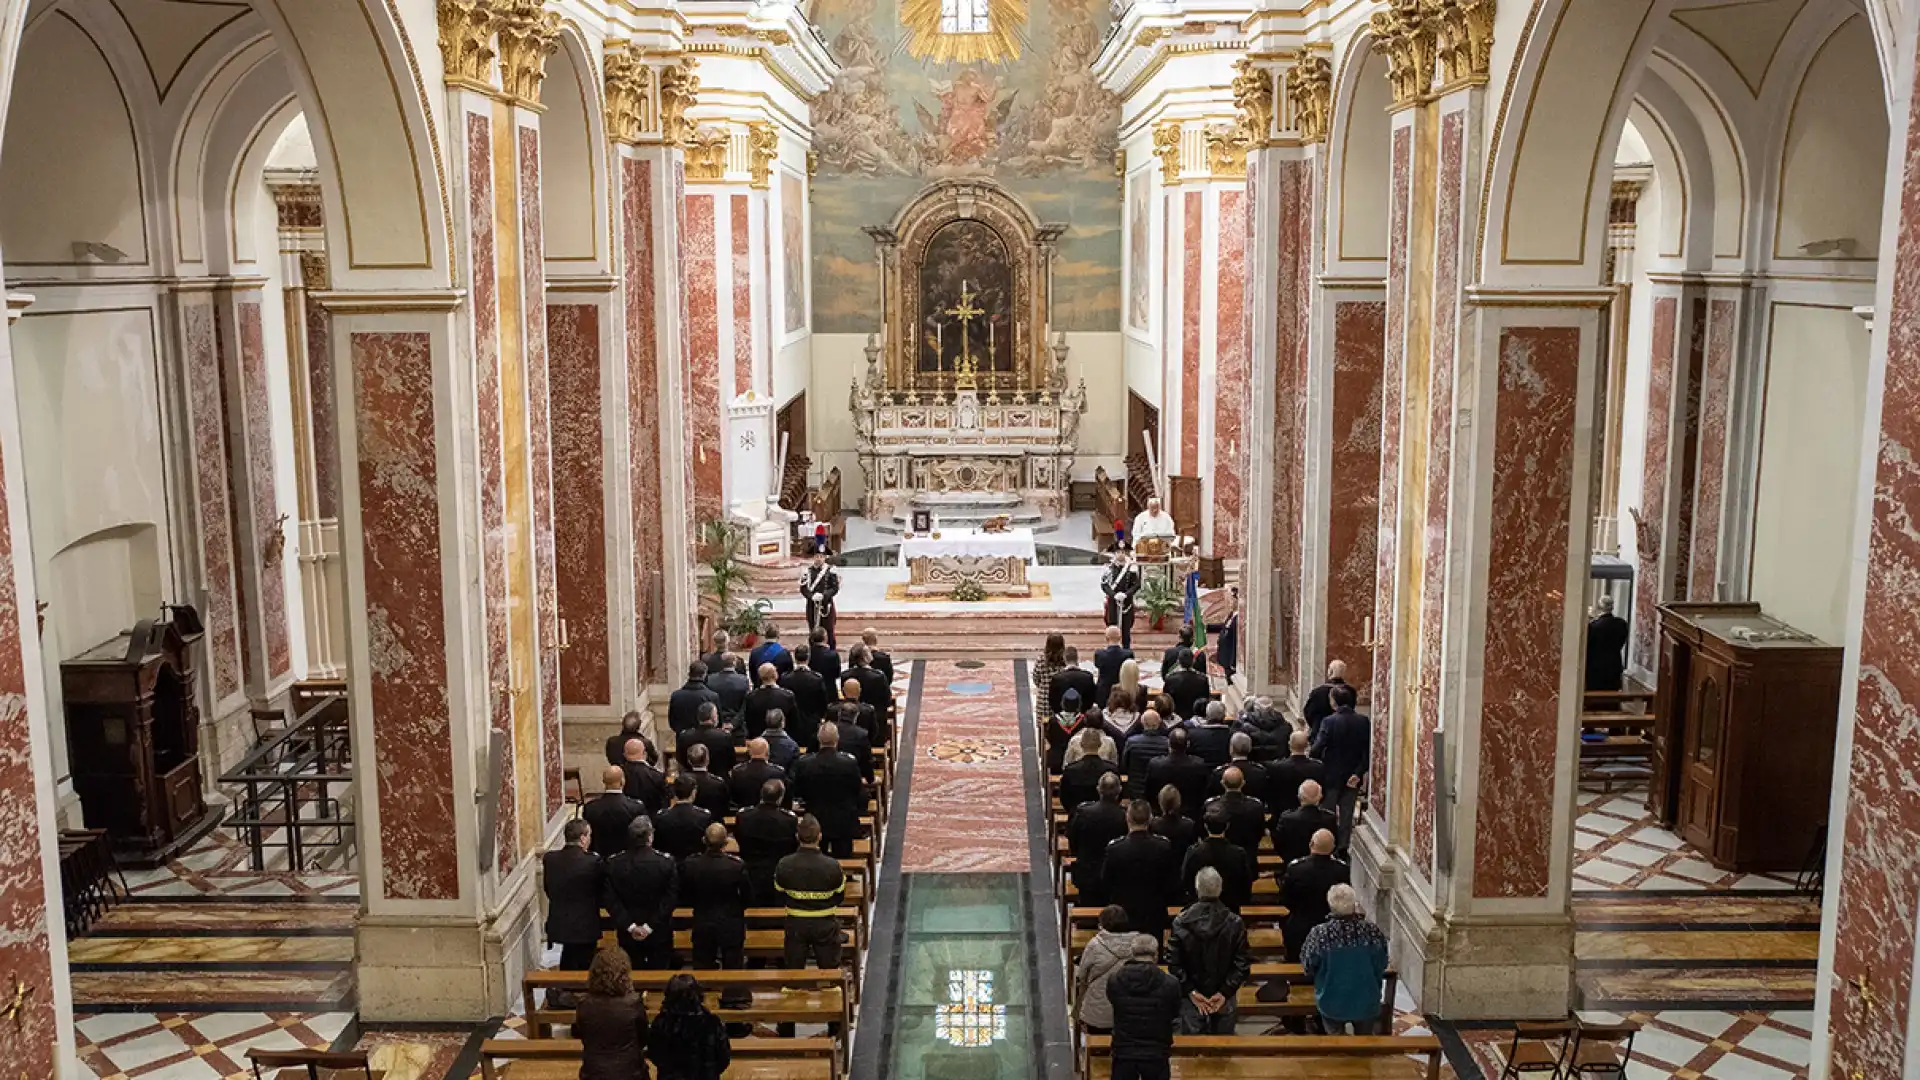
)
(964, 409)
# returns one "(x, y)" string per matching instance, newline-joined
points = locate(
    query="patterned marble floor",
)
(220, 865)
(967, 813)
(1618, 845)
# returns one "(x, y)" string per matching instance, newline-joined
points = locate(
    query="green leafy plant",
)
(720, 545)
(1157, 598)
(750, 620)
(969, 592)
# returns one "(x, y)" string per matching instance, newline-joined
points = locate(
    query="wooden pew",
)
(1261, 942)
(753, 1059)
(852, 918)
(1299, 999)
(761, 945)
(1270, 1057)
(780, 996)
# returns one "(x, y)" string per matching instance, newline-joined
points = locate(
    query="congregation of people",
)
(1168, 802)
(760, 796)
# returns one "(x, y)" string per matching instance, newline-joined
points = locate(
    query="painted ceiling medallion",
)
(988, 30)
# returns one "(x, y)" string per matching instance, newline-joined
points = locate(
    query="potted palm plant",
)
(720, 542)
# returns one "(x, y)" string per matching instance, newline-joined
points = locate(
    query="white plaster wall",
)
(1837, 131)
(838, 359)
(1803, 528)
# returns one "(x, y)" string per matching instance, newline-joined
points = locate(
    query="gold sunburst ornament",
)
(964, 31)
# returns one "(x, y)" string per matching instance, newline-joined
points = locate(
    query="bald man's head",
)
(757, 749)
(716, 837)
(1233, 779)
(850, 689)
(613, 778)
(1297, 743)
(1322, 843)
(1310, 793)
(634, 750)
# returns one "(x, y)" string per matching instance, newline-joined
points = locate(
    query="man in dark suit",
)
(1226, 649)
(610, 813)
(828, 783)
(850, 711)
(881, 661)
(1303, 889)
(1188, 688)
(1184, 772)
(876, 688)
(709, 788)
(572, 873)
(630, 725)
(1606, 648)
(717, 659)
(1106, 663)
(1142, 873)
(1080, 779)
(640, 890)
(824, 659)
(1120, 582)
(1319, 704)
(1073, 677)
(855, 742)
(782, 750)
(811, 694)
(1246, 816)
(766, 835)
(745, 780)
(1253, 775)
(730, 684)
(707, 733)
(768, 695)
(644, 782)
(1212, 739)
(1293, 832)
(714, 884)
(1234, 864)
(1345, 742)
(1175, 657)
(683, 705)
(1137, 756)
(770, 651)
(1285, 776)
(678, 828)
(1094, 825)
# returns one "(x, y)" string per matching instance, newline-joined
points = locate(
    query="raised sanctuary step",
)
(992, 635)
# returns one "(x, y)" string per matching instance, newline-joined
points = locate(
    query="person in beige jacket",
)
(1110, 948)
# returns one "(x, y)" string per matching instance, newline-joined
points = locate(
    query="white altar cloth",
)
(1013, 542)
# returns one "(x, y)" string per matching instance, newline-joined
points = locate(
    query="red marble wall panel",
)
(742, 265)
(579, 503)
(702, 334)
(1433, 583)
(1527, 552)
(1879, 884)
(208, 419)
(1293, 263)
(1686, 444)
(325, 410)
(32, 1035)
(697, 453)
(262, 491)
(643, 409)
(1653, 483)
(1716, 391)
(533, 280)
(484, 302)
(1190, 336)
(1249, 512)
(1353, 511)
(406, 631)
(1230, 379)
(1392, 392)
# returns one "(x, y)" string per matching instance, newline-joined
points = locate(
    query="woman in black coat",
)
(611, 1022)
(688, 1042)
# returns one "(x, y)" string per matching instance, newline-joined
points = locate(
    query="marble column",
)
(33, 943)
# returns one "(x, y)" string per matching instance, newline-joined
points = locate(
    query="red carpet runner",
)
(967, 810)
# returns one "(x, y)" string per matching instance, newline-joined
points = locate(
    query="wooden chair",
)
(338, 1064)
(1540, 1048)
(1601, 1050)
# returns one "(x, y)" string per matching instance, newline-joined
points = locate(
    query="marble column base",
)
(434, 968)
(1461, 967)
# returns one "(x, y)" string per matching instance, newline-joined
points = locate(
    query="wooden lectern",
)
(133, 737)
(1746, 711)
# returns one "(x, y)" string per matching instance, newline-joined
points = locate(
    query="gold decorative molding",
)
(1623, 200)
(764, 144)
(1253, 96)
(679, 91)
(466, 49)
(1405, 33)
(707, 155)
(775, 37)
(1310, 88)
(1166, 147)
(296, 203)
(627, 93)
(1463, 33)
(1227, 149)
(528, 35)
(1148, 35)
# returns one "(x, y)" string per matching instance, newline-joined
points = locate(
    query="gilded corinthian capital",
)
(466, 50)
(1253, 96)
(528, 35)
(1463, 33)
(627, 88)
(1166, 147)
(764, 144)
(1405, 33)
(679, 91)
(1310, 88)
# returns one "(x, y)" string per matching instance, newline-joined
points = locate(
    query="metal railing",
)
(292, 786)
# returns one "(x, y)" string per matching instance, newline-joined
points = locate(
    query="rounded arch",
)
(358, 76)
(1359, 145)
(224, 117)
(574, 196)
(1824, 170)
(1712, 161)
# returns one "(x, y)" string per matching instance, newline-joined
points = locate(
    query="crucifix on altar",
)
(966, 371)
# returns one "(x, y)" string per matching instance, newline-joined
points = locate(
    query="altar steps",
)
(992, 635)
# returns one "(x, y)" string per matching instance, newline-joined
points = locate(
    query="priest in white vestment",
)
(1152, 522)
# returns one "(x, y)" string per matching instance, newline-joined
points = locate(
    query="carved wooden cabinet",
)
(1743, 739)
(133, 737)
